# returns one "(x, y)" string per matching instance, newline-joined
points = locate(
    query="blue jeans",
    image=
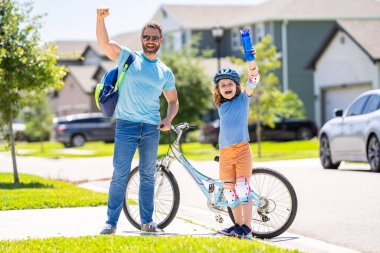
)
(129, 136)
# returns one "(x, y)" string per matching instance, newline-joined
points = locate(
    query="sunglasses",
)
(151, 38)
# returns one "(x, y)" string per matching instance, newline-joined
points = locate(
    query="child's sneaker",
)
(243, 232)
(229, 231)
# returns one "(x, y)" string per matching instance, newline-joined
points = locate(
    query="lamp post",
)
(217, 34)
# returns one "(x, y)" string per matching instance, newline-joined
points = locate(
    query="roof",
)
(206, 16)
(103, 66)
(70, 49)
(130, 40)
(83, 75)
(73, 50)
(94, 46)
(317, 10)
(365, 33)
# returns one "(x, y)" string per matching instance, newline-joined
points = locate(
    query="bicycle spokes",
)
(277, 202)
(165, 199)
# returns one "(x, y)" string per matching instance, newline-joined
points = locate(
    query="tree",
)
(27, 69)
(269, 102)
(192, 83)
(38, 118)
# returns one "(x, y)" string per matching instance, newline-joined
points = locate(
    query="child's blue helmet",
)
(227, 74)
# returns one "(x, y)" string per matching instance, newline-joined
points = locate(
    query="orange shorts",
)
(235, 161)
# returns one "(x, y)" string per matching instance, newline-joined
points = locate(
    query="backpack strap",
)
(127, 63)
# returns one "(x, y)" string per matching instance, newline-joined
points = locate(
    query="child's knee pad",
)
(243, 191)
(231, 197)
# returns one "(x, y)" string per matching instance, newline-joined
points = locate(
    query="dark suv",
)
(284, 130)
(74, 130)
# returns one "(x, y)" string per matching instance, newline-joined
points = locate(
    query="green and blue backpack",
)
(106, 92)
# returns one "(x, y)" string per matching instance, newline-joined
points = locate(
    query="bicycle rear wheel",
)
(166, 198)
(280, 199)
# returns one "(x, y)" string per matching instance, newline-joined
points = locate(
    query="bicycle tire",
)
(293, 205)
(134, 216)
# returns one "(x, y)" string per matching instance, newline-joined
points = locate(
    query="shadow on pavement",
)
(283, 238)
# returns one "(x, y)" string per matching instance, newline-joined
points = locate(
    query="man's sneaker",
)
(151, 228)
(108, 230)
(229, 231)
(243, 232)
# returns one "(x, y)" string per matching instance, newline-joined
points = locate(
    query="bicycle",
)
(273, 197)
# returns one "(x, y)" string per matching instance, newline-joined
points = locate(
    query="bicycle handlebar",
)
(182, 127)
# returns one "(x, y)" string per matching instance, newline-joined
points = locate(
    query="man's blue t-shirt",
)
(141, 87)
(234, 121)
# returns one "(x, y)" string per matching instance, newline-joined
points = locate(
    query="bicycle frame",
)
(200, 179)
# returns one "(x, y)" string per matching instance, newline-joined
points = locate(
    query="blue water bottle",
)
(247, 45)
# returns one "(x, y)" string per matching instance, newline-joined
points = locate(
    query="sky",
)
(76, 19)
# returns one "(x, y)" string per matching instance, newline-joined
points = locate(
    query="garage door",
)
(340, 97)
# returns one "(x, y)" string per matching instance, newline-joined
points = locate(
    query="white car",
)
(353, 135)
(18, 131)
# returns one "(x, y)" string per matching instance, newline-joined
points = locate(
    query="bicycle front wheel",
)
(280, 203)
(166, 198)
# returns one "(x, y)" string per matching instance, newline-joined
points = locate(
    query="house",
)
(298, 28)
(81, 59)
(347, 64)
(76, 96)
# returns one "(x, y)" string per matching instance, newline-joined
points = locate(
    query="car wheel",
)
(325, 154)
(78, 140)
(304, 133)
(373, 153)
(215, 145)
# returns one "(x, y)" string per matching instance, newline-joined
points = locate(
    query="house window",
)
(259, 31)
(342, 40)
(235, 39)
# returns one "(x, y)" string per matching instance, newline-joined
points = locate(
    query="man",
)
(138, 121)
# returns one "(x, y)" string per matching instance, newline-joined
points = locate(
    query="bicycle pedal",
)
(219, 218)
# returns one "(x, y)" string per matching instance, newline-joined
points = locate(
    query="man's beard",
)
(150, 51)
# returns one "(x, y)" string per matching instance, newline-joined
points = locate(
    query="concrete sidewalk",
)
(70, 222)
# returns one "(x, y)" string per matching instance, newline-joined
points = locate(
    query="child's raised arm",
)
(253, 76)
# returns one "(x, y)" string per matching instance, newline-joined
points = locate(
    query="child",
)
(235, 154)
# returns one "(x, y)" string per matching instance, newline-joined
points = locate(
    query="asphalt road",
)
(341, 206)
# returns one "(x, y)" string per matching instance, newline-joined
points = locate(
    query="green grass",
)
(35, 192)
(192, 151)
(269, 150)
(139, 244)
(56, 149)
